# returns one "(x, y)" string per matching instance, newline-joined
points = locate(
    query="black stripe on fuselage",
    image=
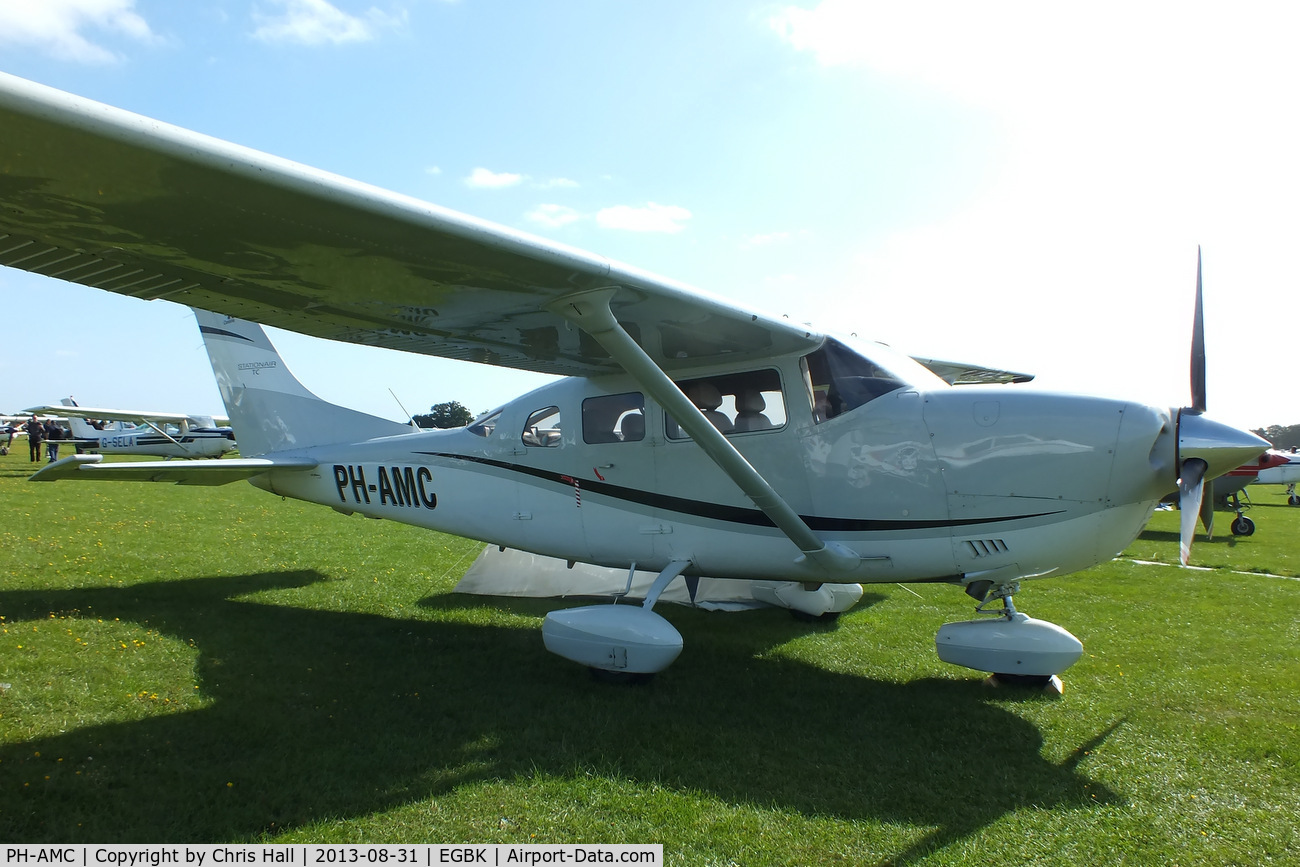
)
(731, 514)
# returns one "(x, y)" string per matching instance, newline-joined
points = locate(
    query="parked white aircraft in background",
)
(15, 421)
(1275, 467)
(693, 437)
(1283, 473)
(137, 432)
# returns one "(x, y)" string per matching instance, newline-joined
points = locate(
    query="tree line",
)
(451, 414)
(1281, 436)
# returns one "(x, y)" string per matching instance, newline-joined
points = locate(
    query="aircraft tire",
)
(620, 678)
(1243, 527)
(805, 617)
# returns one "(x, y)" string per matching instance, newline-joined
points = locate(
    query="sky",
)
(1016, 184)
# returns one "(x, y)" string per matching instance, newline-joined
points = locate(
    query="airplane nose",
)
(1221, 446)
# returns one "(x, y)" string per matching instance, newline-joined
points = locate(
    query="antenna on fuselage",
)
(410, 419)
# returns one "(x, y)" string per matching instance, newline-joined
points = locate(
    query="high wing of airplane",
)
(132, 432)
(691, 436)
(957, 373)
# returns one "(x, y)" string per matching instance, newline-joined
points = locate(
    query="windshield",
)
(485, 424)
(840, 379)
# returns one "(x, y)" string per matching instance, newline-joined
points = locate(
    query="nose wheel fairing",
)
(616, 638)
(1018, 645)
(1010, 644)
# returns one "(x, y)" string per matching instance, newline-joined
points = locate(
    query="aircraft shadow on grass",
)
(320, 715)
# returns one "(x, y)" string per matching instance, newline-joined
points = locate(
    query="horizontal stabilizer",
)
(213, 472)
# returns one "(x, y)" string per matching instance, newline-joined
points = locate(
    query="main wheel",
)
(620, 678)
(805, 617)
(1050, 684)
(1243, 527)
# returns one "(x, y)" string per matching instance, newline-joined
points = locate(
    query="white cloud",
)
(557, 183)
(1126, 135)
(554, 216)
(486, 179)
(55, 26)
(651, 218)
(433, 170)
(1021, 55)
(316, 22)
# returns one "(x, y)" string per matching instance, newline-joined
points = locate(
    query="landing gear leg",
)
(1000, 593)
(1241, 525)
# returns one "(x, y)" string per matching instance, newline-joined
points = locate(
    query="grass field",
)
(218, 665)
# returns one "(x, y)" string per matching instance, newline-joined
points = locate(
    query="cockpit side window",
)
(839, 379)
(543, 428)
(735, 402)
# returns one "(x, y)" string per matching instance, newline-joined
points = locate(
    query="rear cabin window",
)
(839, 379)
(735, 402)
(614, 418)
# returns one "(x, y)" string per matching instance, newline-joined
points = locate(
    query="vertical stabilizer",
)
(81, 429)
(269, 409)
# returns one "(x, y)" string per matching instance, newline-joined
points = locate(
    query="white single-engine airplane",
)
(692, 437)
(161, 434)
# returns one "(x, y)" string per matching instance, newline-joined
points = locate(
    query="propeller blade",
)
(1191, 490)
(1198, 346)
(1207, 513)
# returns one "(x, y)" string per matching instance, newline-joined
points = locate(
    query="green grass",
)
(218, 665)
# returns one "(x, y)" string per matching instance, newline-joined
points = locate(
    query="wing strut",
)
(589, 310)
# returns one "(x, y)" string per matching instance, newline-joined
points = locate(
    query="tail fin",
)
(81, 429)
(269, 408)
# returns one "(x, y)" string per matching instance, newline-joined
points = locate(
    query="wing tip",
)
(64, 468)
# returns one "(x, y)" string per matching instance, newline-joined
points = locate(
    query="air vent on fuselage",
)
(986, 547)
